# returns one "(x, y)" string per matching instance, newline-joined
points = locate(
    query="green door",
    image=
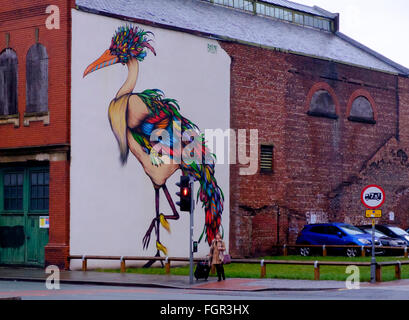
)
(24, 203)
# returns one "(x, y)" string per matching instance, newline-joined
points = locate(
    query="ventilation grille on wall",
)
(266, 158)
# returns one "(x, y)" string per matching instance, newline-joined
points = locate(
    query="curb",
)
(97, 282)
(165, 286)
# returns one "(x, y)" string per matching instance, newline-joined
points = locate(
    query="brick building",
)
(332, 117)
(35, 132)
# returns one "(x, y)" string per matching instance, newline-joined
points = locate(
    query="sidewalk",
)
(169, 281)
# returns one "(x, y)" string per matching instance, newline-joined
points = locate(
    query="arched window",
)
(37, 79)
(361, 110)
(361, 107)
(8, 82)
(322, 105)
(322, 101)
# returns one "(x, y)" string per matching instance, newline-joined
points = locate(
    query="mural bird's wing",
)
(164, 116)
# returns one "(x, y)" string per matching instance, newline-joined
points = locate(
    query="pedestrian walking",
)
(217, 249)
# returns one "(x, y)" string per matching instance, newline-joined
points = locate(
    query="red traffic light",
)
(185, 192)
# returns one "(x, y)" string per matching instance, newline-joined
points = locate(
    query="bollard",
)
(324, 251)
(84, 263)
(123, 266)
(67, 264)
(167, 265)
(406, 252)
(363, 251)
(398, 270)
(263, 269)
(378, 273)
(285, 250)
(316, 271)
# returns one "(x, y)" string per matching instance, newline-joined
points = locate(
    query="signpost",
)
(192, 210)
(373, 197)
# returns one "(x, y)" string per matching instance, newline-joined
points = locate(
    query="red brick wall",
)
(258, 80)
(389, 168)
(20, 19)
(58, 45)
(58, 246)
(317, 161)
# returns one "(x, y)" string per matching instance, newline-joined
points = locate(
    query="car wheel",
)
(352, 252)
(305, 252)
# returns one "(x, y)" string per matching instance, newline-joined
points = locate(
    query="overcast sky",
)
(379, 24)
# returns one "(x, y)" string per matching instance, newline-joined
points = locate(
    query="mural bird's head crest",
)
(128, 42)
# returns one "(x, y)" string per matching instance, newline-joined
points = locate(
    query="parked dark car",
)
(383, 238)
(393, 232)
(341, 234)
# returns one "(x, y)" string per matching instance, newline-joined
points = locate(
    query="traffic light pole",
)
(192, 209)
(187, 204)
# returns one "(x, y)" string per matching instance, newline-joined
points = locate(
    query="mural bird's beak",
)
(107, 59)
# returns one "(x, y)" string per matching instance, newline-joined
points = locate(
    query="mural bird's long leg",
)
(160, 218)
(175, 215)
(154, 225)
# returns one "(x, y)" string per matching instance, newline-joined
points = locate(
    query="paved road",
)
(37, 291)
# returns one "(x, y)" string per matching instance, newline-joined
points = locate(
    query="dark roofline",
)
(323, 13)
(404, 71)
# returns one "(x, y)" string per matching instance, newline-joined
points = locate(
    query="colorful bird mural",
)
(134, 117)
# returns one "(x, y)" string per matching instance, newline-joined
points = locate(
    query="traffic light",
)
(185, 194)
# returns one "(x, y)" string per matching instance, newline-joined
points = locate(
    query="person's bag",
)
(226, 259)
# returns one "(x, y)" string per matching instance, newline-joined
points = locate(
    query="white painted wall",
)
(112, 206)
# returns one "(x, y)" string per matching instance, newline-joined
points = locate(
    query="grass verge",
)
(238, 270)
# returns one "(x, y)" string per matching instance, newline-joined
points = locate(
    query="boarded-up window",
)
(8, 82)
(37, 79)
(266, 158)
(362, 111)
(322, 105)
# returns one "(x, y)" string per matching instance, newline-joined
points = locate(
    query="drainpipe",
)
(397, 109)
(278, 225)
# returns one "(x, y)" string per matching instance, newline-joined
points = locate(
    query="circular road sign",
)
(373, 197)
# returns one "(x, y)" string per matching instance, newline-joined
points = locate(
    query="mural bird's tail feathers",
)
(210, 194)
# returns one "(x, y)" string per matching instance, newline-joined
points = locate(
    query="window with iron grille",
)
(266, 158)
(13, 191)
(39, 190)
